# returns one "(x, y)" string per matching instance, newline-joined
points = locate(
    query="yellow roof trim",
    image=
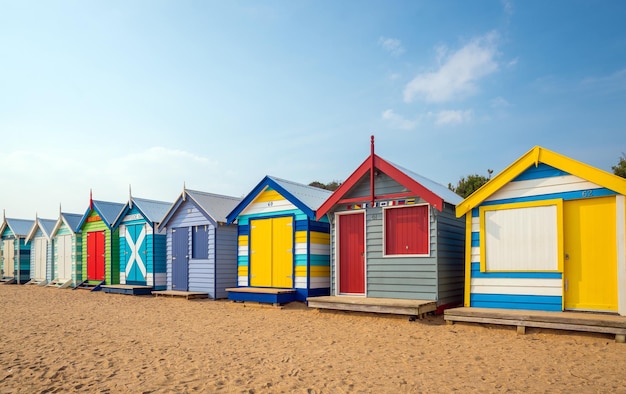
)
(535, 156)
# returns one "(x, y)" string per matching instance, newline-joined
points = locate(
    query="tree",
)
(620, 168)
(332, 186)
(471, 183)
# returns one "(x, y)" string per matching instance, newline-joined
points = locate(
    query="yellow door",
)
(590, 271)
(282, 264)
(261, 252)
(271, 252)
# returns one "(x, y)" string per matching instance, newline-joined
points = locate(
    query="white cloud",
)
(397, 121)
(391, 45)
(508, 6)
(458, 72)
(452, 117)
(500, 102)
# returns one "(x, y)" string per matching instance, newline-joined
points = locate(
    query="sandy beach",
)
(77, 341)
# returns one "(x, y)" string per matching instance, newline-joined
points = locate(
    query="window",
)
(520, 238)
(407, 231)
(200, 242)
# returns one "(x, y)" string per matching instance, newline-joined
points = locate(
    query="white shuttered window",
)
(521, 239)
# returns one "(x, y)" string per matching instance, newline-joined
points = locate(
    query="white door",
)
(41, 250)
(64, 257)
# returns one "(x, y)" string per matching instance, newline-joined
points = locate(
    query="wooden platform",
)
(7, 281)
(127, 289)
(190, 295)
(374, 305)
(269, 295)
(574, 321)
(89, 285)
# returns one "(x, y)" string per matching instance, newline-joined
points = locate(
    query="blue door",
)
(136, 255)
(180, 258)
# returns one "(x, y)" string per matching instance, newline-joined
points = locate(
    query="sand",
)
(76, 341)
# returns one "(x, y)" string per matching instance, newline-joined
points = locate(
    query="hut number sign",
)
(587, 193)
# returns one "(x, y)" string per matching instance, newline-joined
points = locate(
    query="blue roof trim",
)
(108, 217)
(275, 184)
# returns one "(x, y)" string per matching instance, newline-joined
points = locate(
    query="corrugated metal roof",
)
(72, 220)
(20, 227)
(47, 225)
(152, 209)
(108, 210)
(442, 191)
(311, 196)
(216, 205)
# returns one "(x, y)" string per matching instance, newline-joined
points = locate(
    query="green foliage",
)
(620, 168)
(332, 186)
(471, 183)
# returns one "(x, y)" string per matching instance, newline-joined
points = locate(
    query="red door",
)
(95, 255)
(352, 253)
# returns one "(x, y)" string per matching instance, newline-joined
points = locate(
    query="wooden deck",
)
(416, 308)
(127, 289)
(573, 321)
(190, 295)
(268, 295)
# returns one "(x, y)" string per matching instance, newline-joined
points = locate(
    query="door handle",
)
(566, 256)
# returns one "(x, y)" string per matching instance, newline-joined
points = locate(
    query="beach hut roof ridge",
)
(19, 227)
(535, 156)
(312, 196)
(215, 205)
(304, 197)
(108, 211)
(46, 226)
(429, 190)
(72, 220)
(152, 210)
(442, 191)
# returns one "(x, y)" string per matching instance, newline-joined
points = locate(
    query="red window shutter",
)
(406, 230)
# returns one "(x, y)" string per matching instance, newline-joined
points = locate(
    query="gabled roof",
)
(307, 198)
(71, 220)
(108, 212)
(432, 192)
(214, 206)
(19, 227)
(46, 226)
(152, 210)
(533, 157)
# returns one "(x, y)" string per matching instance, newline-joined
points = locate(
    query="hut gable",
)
(377, 178)
(543, 172)
(274, 194)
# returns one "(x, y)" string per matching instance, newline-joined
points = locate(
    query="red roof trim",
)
(399, 176)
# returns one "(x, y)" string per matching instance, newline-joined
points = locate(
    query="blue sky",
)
(214, 94)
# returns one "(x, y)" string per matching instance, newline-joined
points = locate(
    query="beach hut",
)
(283, 252)
(67, 249)
(15, 252)
(141, 247)
(100, 238)
(41, 257)
(201, 247)
(546, 234)
(396, 245)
